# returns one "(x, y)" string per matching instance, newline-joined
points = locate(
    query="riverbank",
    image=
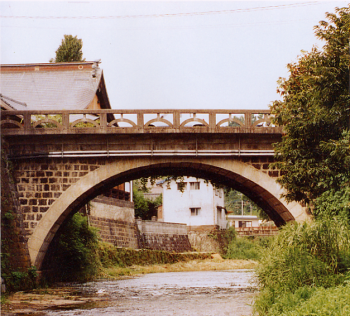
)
(216, 263)
(35, 302)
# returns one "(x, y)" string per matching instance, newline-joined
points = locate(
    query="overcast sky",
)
(179, 54)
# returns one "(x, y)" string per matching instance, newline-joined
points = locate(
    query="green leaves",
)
(315, 113)
(69, 50)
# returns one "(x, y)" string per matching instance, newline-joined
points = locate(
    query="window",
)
(195, 211)
(218, 210)
(183, 184)
(194, 185)
(245, 224)
(241, 224)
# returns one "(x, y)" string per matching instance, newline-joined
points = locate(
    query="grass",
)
(247, 248)
(305, 261)
(184, 266)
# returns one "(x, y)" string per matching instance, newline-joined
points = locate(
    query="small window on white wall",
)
(183, 184)
(195, 211)
(194, 185)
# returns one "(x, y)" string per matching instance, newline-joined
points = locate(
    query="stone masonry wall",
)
(262, 164)
(117, 232)
(14, 249)
(41, 182)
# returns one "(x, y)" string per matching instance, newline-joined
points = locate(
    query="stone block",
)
(33, 202)
(23, 201)
(47, 195)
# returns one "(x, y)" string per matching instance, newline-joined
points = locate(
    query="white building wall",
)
(249, 220)
(177, 205)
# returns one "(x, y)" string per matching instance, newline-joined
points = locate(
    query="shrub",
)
(302, 257)
(247, 248)
(73, 253)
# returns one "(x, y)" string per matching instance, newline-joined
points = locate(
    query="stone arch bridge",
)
(63, 159)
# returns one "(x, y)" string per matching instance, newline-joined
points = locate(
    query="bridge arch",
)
(258, 186)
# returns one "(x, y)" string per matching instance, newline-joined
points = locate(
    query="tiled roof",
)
(11, 104)
(60, 86)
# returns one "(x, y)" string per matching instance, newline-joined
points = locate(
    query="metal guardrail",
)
(136, 121)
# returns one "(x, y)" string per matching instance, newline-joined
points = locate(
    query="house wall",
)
(233, 220)
(177, 205)
(94, 104)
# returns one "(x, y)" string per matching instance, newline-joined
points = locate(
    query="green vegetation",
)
(314, 153)
(124, 257)
(73, 254)
(144, 208)
(306, 270)
(239, 204)
(247, 248)
(332, 301)
(69, 50)
(302, 261)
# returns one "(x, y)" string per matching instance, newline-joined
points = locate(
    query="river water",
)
(204, 293)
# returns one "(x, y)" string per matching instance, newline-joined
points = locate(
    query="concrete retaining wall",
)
(163, 236)
(115, 221)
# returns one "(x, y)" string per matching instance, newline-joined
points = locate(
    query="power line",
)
(165, 15)
(183, 27)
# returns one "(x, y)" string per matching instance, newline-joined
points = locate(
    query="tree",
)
(235, 201)
(69, 50)
(315, 114)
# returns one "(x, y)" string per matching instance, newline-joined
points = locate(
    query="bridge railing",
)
(137, 121)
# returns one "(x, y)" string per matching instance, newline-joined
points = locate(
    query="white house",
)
(239, 221)
(199, 205)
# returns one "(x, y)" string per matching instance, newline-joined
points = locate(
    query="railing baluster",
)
(176, 118)
(140, 120)
(247, 119)
(212, 120)
(103, 122)
(27, 118)
(65, 121)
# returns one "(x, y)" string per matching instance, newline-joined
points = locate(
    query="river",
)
(205, 293)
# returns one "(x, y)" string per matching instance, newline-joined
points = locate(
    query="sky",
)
(171, 54)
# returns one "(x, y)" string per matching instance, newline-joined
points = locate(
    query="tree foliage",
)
(144, 208)
(314, 152)
(235, 201)
(69, 50)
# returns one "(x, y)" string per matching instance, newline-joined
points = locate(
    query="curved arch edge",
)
(42, 235)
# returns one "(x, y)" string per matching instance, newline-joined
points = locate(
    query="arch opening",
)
(259, 187)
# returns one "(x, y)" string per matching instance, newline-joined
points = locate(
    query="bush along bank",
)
(305, 263)
(247, 248)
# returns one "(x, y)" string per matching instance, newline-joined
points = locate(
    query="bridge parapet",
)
(137, 121)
